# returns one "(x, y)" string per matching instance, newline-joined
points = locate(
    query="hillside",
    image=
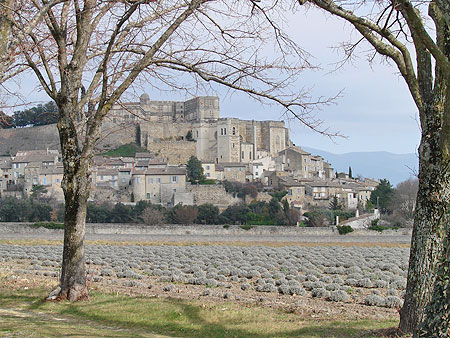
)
(32, 138)
(379, 164)
(47, 137)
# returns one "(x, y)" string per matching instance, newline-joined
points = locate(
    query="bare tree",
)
(405, 198)
(397, 29)
(86, 54)
(153, 216)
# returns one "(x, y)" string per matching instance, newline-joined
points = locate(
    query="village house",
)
(158, 185)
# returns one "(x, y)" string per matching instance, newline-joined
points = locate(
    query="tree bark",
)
(431, 219)
(5, 35)
(437, 315)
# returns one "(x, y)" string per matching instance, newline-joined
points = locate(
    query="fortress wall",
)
(214, 194)
(163, 131)
(177, 152)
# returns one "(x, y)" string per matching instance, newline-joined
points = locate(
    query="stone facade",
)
(214, 194)
(176, 152)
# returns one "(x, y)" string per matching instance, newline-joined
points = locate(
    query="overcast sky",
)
(375, 111)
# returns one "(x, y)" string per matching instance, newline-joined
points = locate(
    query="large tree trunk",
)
(437, 315)
(431, 219)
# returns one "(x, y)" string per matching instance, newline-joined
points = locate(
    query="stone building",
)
(301, 164)
(163, 128)
(158, 185)
(196, 109)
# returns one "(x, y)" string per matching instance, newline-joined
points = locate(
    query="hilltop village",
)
(230, 149)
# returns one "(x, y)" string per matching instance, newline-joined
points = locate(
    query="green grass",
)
(24, 314)
(126, 150)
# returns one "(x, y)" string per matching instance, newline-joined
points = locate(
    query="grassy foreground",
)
(24, 314)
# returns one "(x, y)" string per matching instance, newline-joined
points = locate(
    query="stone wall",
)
(156, 131)
(261, 197)
(176, 152)
(100, 228)
(214, 194)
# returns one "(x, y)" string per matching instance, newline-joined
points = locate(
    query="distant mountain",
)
(378, 164)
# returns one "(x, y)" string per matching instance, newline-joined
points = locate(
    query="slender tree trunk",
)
(431, 219)
(76, 192)
(73, 275)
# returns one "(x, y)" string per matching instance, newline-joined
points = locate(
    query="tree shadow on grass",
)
(186, 320)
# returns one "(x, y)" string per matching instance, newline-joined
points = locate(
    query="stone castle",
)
(163, 126)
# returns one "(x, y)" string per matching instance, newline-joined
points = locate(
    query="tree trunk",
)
(431, 219)
(76, 193)
(437, 315)
(5, 32)
(73, 275)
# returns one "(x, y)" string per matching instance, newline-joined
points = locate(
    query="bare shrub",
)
(185, 214)
(151, 216)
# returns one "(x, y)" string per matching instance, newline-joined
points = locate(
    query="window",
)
(250, 155)
(174, 179)
(148, 195)
(44, 181)
(234, 131)
(224, 131)
(233, 145)
(208, 175)
(150, 180)
(208, 167)
(242, 154)
(58, 180)
(138, 180)
(256, 173)
(101, 177)
(158, 180)
(221, 131)
(290, 192)
(174, 190)
(124, 179)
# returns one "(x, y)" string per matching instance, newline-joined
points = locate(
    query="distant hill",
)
(378, 164)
